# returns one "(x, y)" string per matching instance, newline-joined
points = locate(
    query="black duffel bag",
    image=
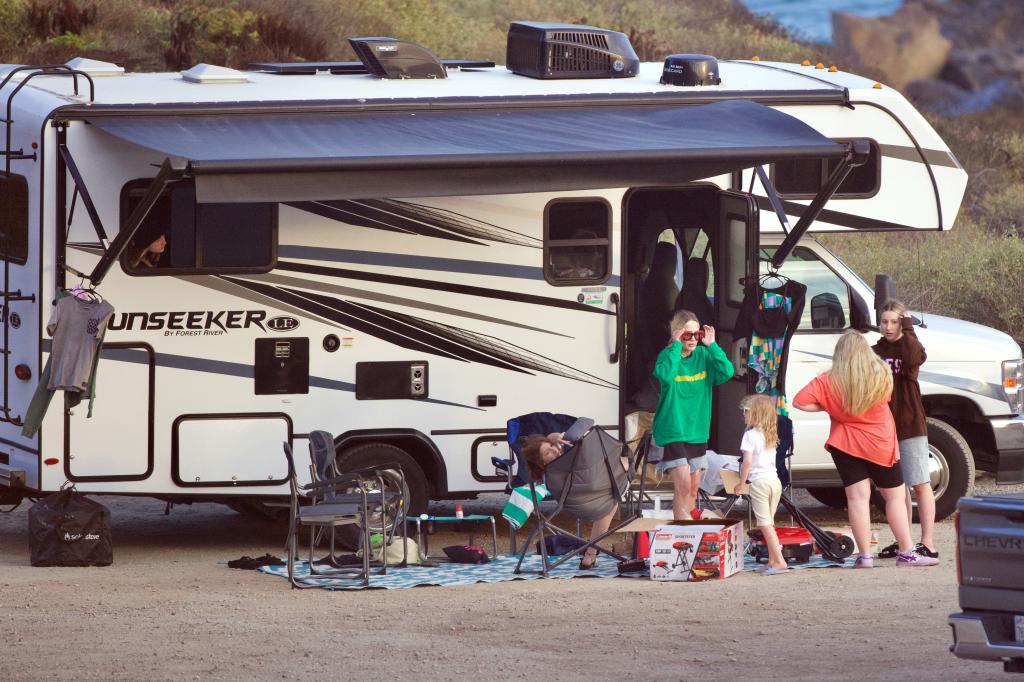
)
(68, 529)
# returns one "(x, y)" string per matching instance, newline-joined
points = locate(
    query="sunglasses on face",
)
(690, 336)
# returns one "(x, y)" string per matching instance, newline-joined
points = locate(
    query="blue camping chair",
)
(515, 466)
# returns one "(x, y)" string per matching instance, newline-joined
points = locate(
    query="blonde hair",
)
(680, 319)
(859, 378)
(893, 306)
(761, 415)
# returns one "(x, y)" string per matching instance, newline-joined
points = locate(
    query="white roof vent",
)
(94, 67)
(208, 73)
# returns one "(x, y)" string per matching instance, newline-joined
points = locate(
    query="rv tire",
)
(378, 454)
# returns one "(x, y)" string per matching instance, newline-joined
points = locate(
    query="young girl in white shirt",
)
(758, 446)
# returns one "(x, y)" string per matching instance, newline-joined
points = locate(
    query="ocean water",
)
(812, 19)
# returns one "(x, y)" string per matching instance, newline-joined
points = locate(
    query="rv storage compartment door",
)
(209, 450)
(282, 366)
(116, 444)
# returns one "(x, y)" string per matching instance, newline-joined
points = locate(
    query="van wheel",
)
(381, 455)
(833, 498)
(950, 466)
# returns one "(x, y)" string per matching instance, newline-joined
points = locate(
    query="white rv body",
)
(463, 291)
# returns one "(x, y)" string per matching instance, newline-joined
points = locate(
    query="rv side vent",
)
(208, 73)
(545, 50)
(94, 67)
(393, 58)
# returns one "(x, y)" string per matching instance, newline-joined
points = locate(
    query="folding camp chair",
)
(515, 466)
(586, 478)
(365, 498)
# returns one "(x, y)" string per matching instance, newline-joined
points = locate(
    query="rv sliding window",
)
(802, 178)
(13, 218)
(577, 241)
(180, 236)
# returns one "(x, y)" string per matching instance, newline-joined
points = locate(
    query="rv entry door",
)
(116, 443)
(736, 252)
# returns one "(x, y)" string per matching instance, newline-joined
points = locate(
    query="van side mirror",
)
(885, 291)
(860, 316)
(827, 312)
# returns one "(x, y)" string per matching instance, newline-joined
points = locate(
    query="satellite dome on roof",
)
(94, 67)
(208, 73)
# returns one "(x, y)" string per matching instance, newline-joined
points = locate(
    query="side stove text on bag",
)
(68, 529)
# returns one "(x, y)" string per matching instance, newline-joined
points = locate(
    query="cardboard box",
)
(697, 550)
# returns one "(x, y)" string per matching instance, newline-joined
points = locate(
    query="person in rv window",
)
(149, 248)
(578, 261)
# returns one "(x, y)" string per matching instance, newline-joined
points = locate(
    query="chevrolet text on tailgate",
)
(990, 567)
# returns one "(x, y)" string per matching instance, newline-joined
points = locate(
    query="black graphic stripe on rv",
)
(224, 368)
(426, 336)
(403, 216)
(855, 222)
(434, 285)
(369, 295)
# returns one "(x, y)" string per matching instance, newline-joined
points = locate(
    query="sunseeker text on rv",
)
(195, 319)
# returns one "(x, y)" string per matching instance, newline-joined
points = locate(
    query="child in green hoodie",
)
(688, 369)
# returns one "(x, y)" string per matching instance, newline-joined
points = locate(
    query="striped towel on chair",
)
(520, 504)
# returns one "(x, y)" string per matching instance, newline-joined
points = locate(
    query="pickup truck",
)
(990, 571)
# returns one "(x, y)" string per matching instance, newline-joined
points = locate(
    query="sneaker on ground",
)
(913, 560)
(923, 550)
(889, 552)
(864, 562)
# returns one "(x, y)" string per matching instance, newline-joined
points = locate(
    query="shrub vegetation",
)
(976, 272)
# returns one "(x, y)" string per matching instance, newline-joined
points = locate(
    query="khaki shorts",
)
(764, 499)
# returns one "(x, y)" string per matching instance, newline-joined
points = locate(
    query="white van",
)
(408, 252)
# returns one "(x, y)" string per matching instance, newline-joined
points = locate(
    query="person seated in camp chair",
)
(540, 451)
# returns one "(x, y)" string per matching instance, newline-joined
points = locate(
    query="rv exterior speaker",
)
(393, 58)
(543, 50)
(690, 69)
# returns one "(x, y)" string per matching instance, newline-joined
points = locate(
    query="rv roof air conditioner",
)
(393, 58)
(543, 50)
(690, 69)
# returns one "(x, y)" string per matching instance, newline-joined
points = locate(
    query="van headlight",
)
(1013, 384)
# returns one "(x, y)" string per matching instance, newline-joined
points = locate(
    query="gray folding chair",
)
(369, 499)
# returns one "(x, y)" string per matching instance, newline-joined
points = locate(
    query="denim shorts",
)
(914, 460)
(696, 463)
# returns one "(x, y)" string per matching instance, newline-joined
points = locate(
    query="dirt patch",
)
(169, 608)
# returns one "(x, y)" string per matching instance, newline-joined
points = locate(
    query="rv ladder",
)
(33, 71)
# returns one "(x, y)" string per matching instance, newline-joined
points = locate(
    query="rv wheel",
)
(382, 455)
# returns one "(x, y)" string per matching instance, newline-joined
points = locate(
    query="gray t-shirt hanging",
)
(76, 327)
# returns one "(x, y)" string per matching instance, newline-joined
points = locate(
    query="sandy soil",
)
(169, 608)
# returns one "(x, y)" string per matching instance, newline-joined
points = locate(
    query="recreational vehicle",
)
(408, 251)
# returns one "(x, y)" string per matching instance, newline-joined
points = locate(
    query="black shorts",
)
(854, 470)
(684, 451)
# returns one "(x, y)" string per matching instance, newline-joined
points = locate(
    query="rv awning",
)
(366, 155)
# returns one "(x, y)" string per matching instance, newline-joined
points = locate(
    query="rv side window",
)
(13, 218)
(181, 236)
(802, 178)
(827, 303)
(577, 241)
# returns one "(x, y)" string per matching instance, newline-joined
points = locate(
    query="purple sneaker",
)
(864, 562)
(913, 560)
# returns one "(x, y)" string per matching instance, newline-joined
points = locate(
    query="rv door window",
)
(827, 306)
(577, 241)
(13, 218)
(181, 236)
(802, 178)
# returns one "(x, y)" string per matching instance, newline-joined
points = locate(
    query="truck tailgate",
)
(991, 553)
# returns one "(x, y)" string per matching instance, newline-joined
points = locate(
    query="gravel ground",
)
(170, 609)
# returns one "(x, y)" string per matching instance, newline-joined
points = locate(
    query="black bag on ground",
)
(68, 529)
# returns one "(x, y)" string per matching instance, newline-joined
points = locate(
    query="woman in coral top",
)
(855, 394)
